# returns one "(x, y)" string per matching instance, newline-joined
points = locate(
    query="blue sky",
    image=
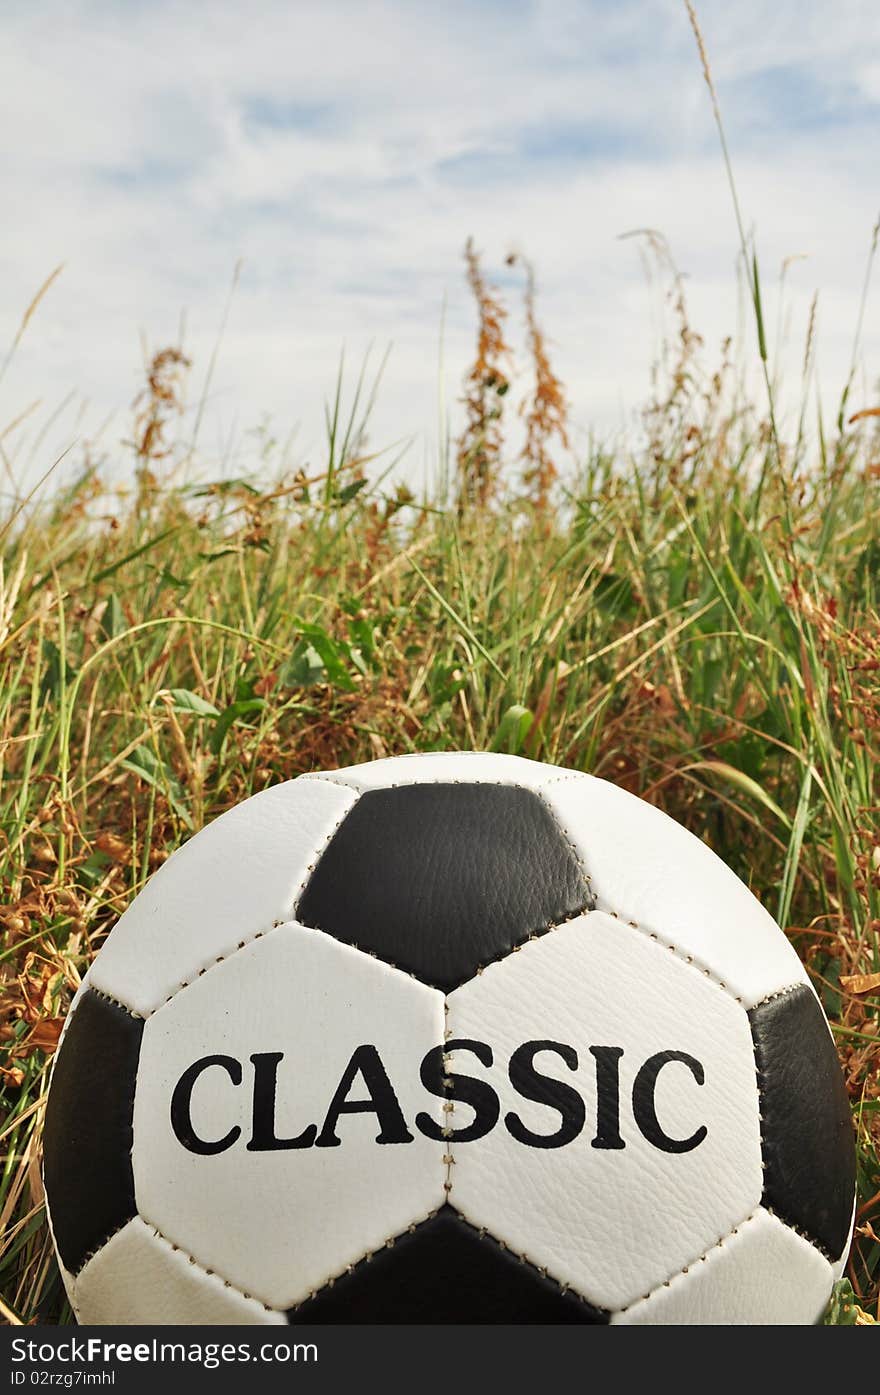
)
(345, 151)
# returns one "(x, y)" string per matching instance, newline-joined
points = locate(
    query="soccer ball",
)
(447, 1038)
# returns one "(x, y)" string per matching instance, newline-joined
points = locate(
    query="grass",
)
(695, 618)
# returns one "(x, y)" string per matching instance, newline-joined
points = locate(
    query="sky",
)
(340, 153)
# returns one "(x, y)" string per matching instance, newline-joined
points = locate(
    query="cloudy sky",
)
(343, 151)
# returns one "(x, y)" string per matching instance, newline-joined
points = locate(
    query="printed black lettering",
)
(181, 1106)
(529, 1083)
(477, 1094)
(263, 1137)
(607, 1097)
(645, 1107)
(382, 1101)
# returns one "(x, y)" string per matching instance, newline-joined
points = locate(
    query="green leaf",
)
(221, 552)
(679, 574)
(344, 496)
(743, 782)
(204, 491)
(444, 680)
(186, 701)
(710, 673)
(113, 621)
(513, 729)
(92, 870)
(842, 1311)
(303, 669)
(57, 673)
(138, 552)
(793, 852)
(614, 595)
(333, 655)
(361, 634)
(229, 716)
(144, 763)
(167, 578)
(759, 313)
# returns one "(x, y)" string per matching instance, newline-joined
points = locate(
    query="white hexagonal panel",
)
(238, 876)
(761, 1273)
(446, 767)
(138, 1277)
(612, 1222)
(279, 1222)
(644, 867)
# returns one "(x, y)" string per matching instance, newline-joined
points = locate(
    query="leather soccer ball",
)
(447, 1038)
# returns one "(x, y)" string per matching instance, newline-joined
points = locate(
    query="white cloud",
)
(345, 149)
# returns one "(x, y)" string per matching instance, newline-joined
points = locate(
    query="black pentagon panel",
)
(445, 1271)
(441, 879)
(87, 1136)
(806, 1128)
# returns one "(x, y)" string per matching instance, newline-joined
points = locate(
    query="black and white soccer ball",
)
(447, 1038)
